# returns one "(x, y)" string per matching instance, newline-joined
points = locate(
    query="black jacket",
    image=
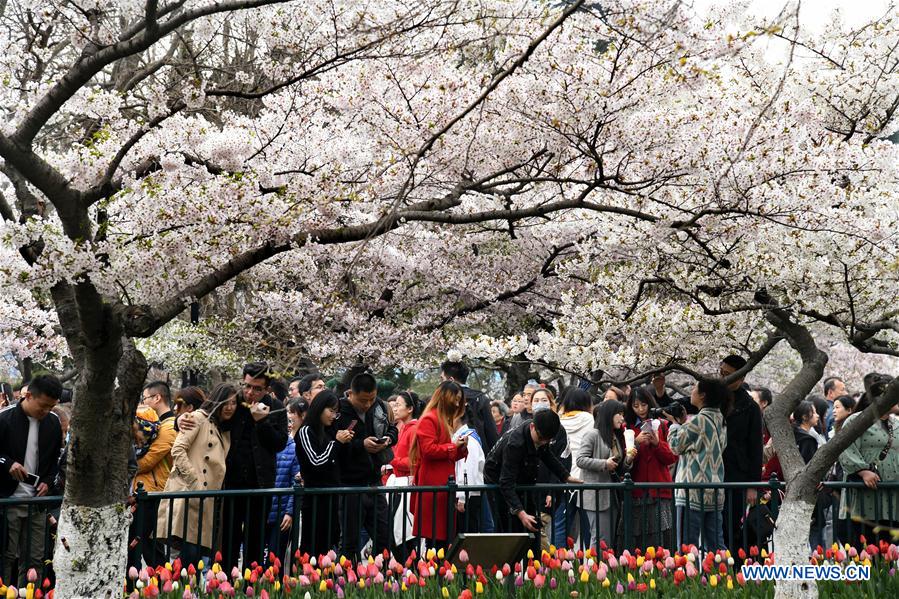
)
(666, 400)
(14, 428)
(544, 476)
(253, 453)
(479, 417)
(317, 455)
(357, 466)
(743, 454)
(807, 444)
(514, 461)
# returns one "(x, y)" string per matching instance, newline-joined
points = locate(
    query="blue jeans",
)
(559, 538)
(577, 522)
(709, 525)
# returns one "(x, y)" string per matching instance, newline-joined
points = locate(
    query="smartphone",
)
(381, 440)
(467, 433)
(646, 427)
(352, 425)
(32, 479)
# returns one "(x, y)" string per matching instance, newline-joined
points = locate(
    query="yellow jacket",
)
(154, 467)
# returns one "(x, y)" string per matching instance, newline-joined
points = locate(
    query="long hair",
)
(716, 394)
(449, 403)
(643, 395)
(325, 399)
(605, 418)
(217, 399)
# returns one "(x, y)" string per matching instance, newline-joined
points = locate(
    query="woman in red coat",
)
(433, 457)
(653, 517)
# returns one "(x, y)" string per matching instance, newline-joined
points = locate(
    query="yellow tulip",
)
(440, 553)
(430, 554)
(247, 574)
(201, 566)
(652, 583)
(651, 552)
(605, 583)
(453, 569)
(322, 587)
(361, 584)
(404, 587)
(29, 592)
(630, 577)
(640, 561)
(11, 593)
(445, 592)
(216, 568)
(371, 560)
(764, 553)
(552, 549)
(168, 565)
(585, 576)
(277, 586)
(479, 588)
(530, 554)
(713, 581)
(730, 583)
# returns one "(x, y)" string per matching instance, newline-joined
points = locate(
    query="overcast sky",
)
(813, 13)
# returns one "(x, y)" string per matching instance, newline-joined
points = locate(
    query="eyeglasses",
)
(252, 387)
(149, 397)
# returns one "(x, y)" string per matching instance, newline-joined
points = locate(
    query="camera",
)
(674, 409)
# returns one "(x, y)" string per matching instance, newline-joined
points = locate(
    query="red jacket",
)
(772, 466)
(400, 463)
(437, 455)
(651, 465)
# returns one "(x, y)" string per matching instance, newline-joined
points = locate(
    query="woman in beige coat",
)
(198, 457)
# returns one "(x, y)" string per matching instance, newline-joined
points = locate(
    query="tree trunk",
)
(91, 546)
(517, 373)
(791, 540)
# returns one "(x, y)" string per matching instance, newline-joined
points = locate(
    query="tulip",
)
(713, 580)
(519, 581)
(553, 584)
(463, 556)
(619, 588)
(606, 584)
(479, 588)
(306, 596)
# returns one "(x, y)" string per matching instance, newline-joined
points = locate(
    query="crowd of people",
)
(413, 460)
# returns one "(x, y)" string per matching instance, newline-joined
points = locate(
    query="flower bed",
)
(558, 573)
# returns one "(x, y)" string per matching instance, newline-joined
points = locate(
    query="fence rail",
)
(194, 525)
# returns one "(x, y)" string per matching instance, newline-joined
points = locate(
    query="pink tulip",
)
(221, 576)
(379, 561)
(539, 581)
(379, 578)
(135, 595)
(853, 552)
(553, 584)
(340, 594)
(647, 566)
(235, 573)
(613, 563)
(669, 563)
(303, 580)
(186, 595)
(619, 588)
(449, 576)
(601, 573)
(167, 586)
(463, 556)
(32, 575)
(396, 587)
(691, 570)
(519, 581)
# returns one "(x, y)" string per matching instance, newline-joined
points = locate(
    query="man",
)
(293, 388)
(743, 453)
(663, 399)
(834, 387)
(360, 463)
(258, 433)
(30, 443)
(310, 386)
(513, 462)
(153, 472)
(477, 408)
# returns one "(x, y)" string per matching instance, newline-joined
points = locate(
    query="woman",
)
(198, 464)
(498, 410)
(700, 444)
(843, 406)
(872, 458)
(287, 469)
(188, 399)
(805, 419)
(653, 509)
(577, 419)
(406, 410)
(553, 511)
(317, 454)
(602, 458)
(433, 457)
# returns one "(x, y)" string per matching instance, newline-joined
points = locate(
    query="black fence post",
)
(452, 489)
(628, 510)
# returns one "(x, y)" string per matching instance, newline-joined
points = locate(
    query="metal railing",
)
(237, 523)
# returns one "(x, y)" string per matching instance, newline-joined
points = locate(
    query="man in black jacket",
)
(514, 462)
(30, 443)
(258, 432)
(360, 465)
(743, 454)
(477, 404)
